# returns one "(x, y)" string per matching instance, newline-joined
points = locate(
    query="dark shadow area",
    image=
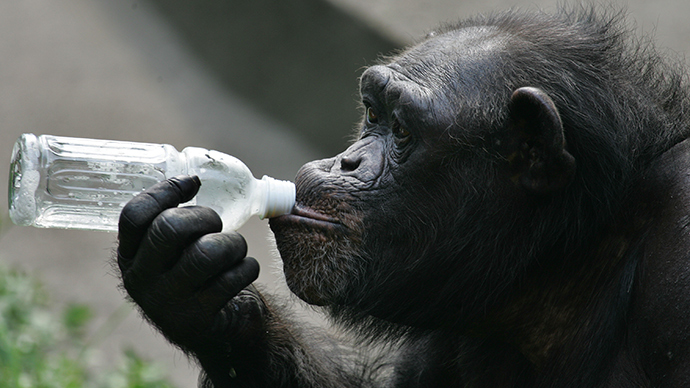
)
(298, 61)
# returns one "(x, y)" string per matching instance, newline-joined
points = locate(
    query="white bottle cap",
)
(280, 197)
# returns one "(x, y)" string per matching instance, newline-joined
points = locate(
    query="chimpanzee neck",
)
(569, 312)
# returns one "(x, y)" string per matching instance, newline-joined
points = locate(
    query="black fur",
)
(513, 213)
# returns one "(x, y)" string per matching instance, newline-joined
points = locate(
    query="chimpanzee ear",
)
(539, 160)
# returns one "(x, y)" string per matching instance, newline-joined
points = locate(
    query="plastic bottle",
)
(75, 183)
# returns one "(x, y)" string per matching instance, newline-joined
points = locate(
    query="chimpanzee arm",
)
(193, 283)
(282, 354)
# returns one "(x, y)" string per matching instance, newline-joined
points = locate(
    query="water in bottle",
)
(76, 183)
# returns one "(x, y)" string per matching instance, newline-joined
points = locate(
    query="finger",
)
(169, 235)
(206, 258)
(228, 284)
(138, 214)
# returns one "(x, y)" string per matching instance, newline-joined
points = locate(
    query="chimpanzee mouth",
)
(305, 216)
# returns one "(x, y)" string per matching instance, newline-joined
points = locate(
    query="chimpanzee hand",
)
(182, 272)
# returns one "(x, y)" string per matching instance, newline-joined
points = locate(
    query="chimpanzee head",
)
(491, 146)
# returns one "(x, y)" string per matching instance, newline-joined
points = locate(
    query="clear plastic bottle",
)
(75, 183)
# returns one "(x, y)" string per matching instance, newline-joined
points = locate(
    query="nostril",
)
(349, 163)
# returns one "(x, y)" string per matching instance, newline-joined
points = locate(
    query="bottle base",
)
(24, 180)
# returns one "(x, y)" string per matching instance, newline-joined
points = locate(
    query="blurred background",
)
(271, 82)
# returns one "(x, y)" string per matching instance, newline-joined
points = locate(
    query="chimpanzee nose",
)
(350, 162)
(364, 160)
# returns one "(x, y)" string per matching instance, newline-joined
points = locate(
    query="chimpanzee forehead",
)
(441, 62)
(452, 52)
(467, 41)
(458, 64)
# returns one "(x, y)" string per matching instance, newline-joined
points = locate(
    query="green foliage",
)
(40, 350)
(76, 317)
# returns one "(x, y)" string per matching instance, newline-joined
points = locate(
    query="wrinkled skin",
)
(176, 260)
(513, 213)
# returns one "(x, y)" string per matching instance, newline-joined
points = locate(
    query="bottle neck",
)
(279, 197)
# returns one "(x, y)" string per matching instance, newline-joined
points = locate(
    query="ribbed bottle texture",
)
(76, 183)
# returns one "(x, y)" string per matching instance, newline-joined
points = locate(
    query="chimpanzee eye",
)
(372, 118)
(400, 132)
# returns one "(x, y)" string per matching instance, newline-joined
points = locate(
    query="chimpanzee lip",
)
(302, 215)
(303, 211)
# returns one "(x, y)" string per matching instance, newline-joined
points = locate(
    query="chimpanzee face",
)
(407, 207)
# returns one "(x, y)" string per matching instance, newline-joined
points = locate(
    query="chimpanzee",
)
(515, 212)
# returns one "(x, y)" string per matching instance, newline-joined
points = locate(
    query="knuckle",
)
(139, 212)
(201, 260)
(234, 243)
(208, 217)
(164, 228)
(209, 245)
(212, 252)
(241, 275)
